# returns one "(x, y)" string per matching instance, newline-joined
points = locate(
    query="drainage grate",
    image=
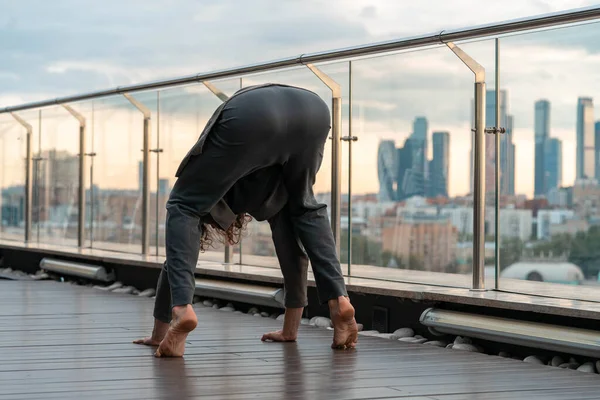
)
(380, 320)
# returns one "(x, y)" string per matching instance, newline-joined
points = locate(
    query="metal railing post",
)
(478, 168)
(497, 211)
(216, 91)
(145, 173)
(157, 151)
(336, 160)
(350, 138)
(28, 176)
(228, 256)
(81, 191)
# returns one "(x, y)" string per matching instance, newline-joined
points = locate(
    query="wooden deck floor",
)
(59, 341)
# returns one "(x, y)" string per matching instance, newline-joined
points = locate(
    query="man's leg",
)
(294, 267)
(203, 182)
(183, 234)
(162, 303)
(162, 311)
(312, 225)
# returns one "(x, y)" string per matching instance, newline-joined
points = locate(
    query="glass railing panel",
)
(117, 131)
(183, 114)
(12, 179)
(56, 181)
(33, 118)
(412, 207)
(549, 230)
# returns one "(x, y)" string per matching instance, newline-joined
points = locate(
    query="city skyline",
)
(548, 151)
(406, 171)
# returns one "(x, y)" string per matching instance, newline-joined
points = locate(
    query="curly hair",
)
(211, 231)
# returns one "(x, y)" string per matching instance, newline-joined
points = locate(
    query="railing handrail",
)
(510, 26)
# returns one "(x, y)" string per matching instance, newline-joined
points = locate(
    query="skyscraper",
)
(509, 172)
(412, 163)
(552, 164)
(386, 170)
(409, 178)
(440, 164)
(419, 157)
(585, 158)
(542, 132)
(490, 145)
(404, 165)
(420, 127)
(506, 145)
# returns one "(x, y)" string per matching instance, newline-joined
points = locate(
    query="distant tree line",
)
(581, 249)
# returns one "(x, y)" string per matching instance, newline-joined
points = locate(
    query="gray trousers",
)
(258, 129)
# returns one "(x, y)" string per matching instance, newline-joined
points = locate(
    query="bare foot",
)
(345, 330)
(158, 334)
(173, 344)
(278, 336)
(289, 333)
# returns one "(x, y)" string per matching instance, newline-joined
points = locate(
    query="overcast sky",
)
(65, 46)
(61, 47)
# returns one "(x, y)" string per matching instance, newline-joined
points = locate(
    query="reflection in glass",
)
(117, 173)
(33, 118)
(12, 180)
(549, 226)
